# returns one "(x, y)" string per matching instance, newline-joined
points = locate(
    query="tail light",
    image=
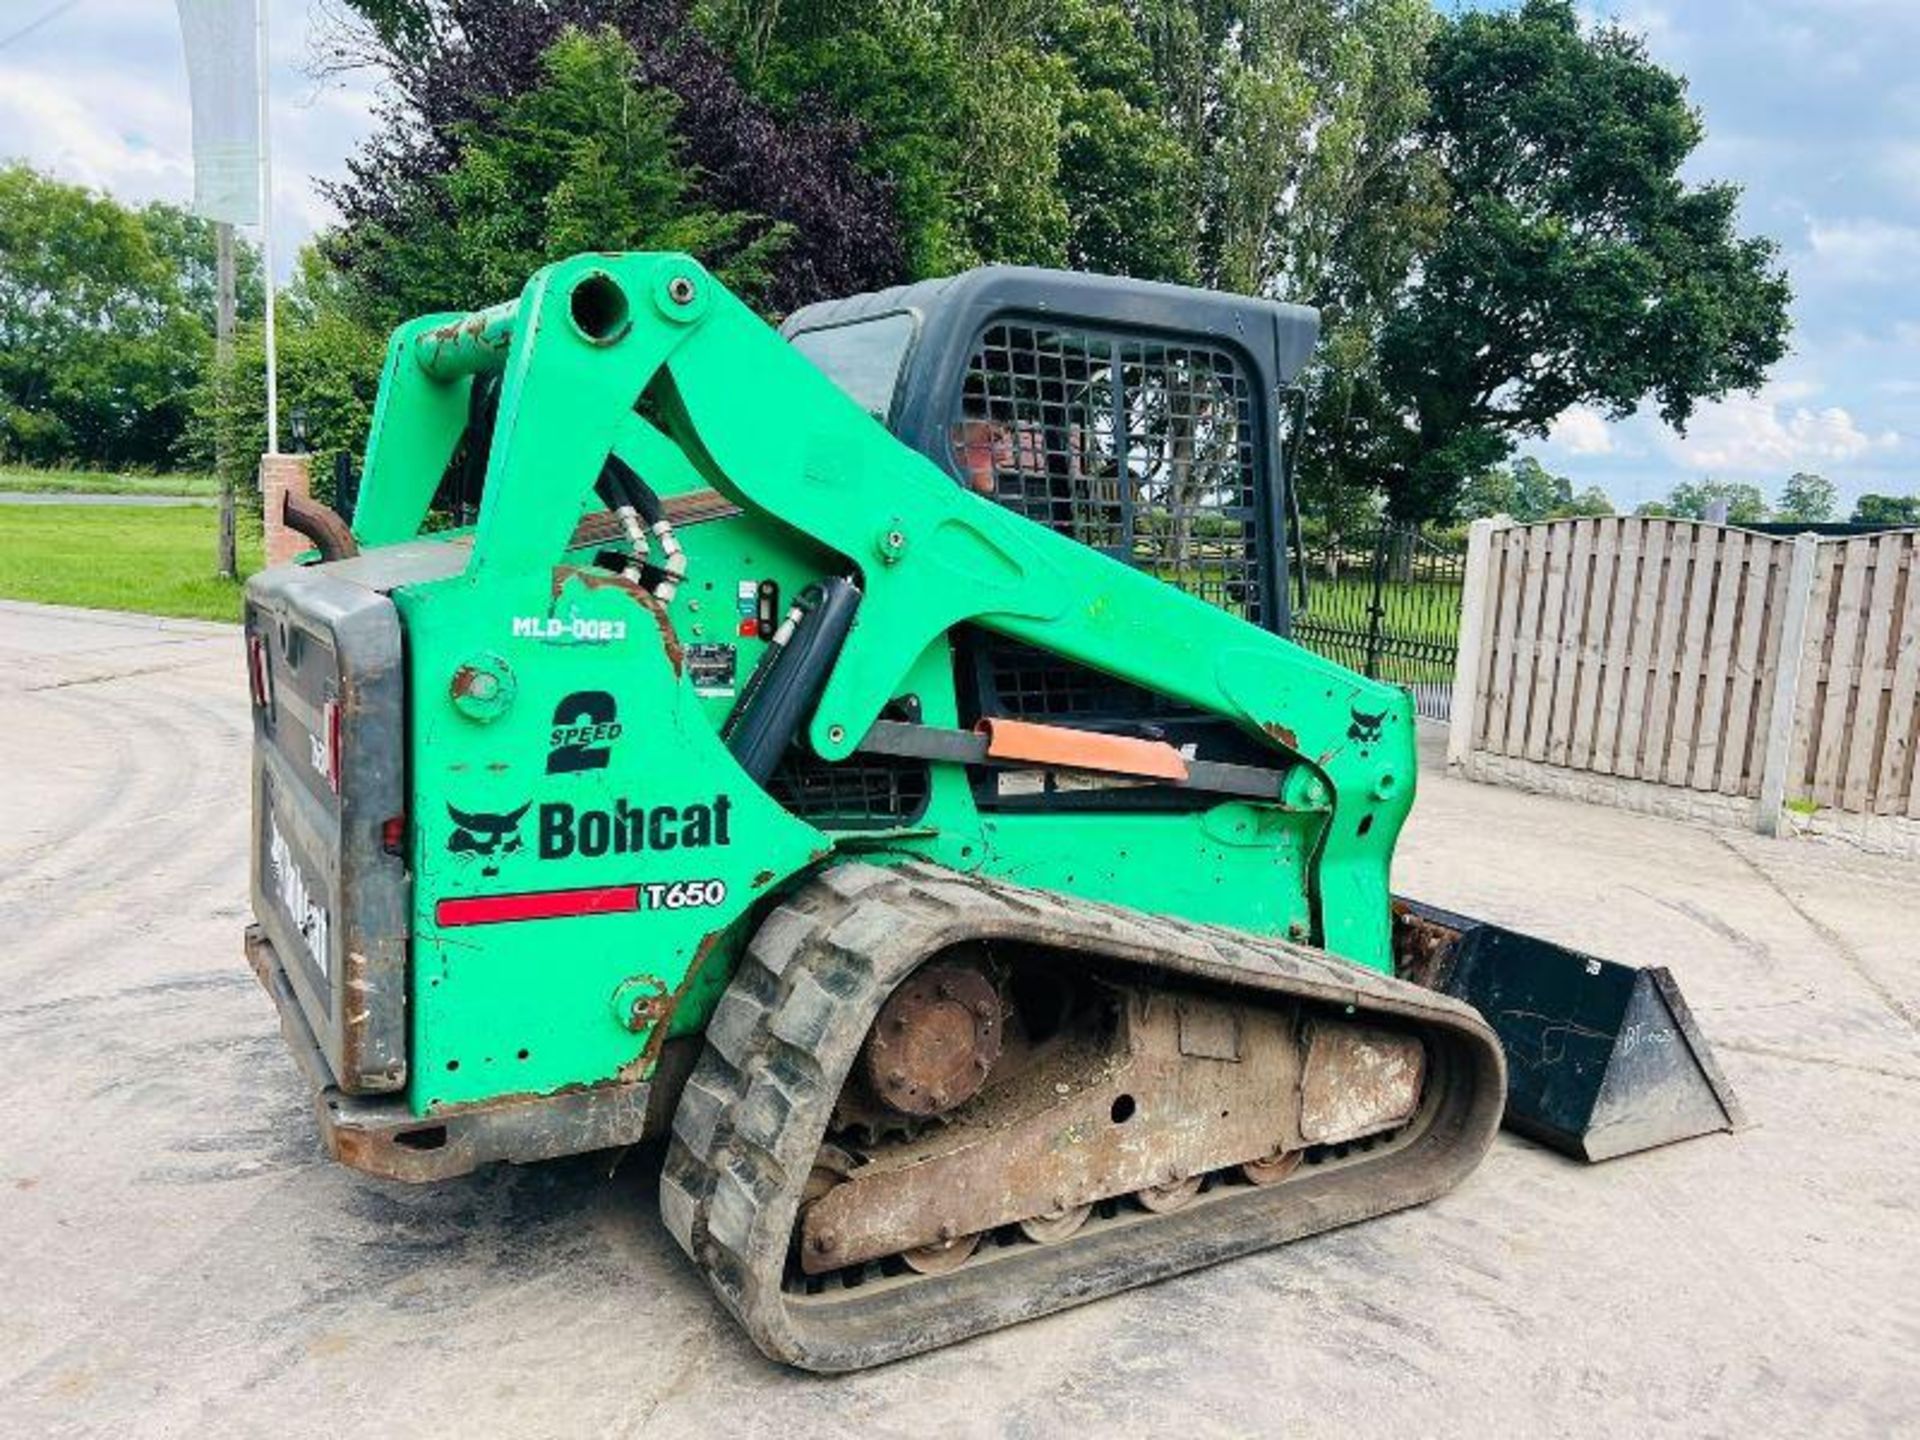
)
(393, 835)
(257, 679)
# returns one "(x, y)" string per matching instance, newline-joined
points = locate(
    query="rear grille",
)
(870, 790)
(1146, 451)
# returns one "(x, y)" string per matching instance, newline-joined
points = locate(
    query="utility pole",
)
(222, 389)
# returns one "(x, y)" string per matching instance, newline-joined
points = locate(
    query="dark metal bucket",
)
(1603, 1059)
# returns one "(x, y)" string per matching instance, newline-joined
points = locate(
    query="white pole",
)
(1778, 753)
(266, 234)
(1464, 707)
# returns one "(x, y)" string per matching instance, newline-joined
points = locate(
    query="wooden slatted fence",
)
(1856, 730)
(1698, 657)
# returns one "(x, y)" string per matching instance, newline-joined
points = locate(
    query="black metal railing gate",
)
(1387, 603)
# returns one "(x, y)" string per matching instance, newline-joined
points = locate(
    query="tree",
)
(1592, 501)
(452, 64)
(188, 245)
(1890, 510)
(1028, 132)
(1576, 266)
(1525, 490)
(1300, 116)
(1691, 501)
(329, 371)
(1232, 145)
(1124, 173)
(103, 333)
(583, 160)
(1808, 498)
(1306, 181)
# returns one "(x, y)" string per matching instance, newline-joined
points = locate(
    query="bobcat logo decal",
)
(481, 833)
(1365, 729)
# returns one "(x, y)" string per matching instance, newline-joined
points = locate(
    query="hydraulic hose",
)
(636, 505)
(616, 498)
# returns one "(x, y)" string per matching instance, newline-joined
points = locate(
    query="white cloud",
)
(1581, 431)
(137, 149)
(1866, 249)
(1759, 434)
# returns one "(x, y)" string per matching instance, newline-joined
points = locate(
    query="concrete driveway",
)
(175, 1258)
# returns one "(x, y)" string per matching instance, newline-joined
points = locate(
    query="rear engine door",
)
(329, 878)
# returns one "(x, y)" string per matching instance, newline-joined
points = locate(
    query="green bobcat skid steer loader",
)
(872, 759)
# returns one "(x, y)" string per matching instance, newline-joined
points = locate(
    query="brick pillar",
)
(280, 474)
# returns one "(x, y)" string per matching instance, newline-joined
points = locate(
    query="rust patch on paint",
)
(607, 580)
(651, 1007)
(1276, 731)
(655, 1012)
(676, 653)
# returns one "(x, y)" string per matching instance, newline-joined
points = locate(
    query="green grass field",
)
(157, 560)
(93, 482)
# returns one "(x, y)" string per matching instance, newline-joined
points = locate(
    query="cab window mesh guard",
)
(1142, 449)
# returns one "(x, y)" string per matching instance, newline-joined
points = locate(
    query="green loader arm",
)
(648, 356)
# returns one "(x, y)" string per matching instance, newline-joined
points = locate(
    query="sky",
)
(1812, 106)
(98, 94)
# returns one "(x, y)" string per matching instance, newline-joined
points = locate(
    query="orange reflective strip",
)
(1065, 749)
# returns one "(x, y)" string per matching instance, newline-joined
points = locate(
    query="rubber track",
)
(786, 1032)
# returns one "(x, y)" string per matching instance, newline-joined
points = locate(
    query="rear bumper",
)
(382, 1136)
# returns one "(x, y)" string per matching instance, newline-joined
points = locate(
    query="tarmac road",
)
(176, 1258)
